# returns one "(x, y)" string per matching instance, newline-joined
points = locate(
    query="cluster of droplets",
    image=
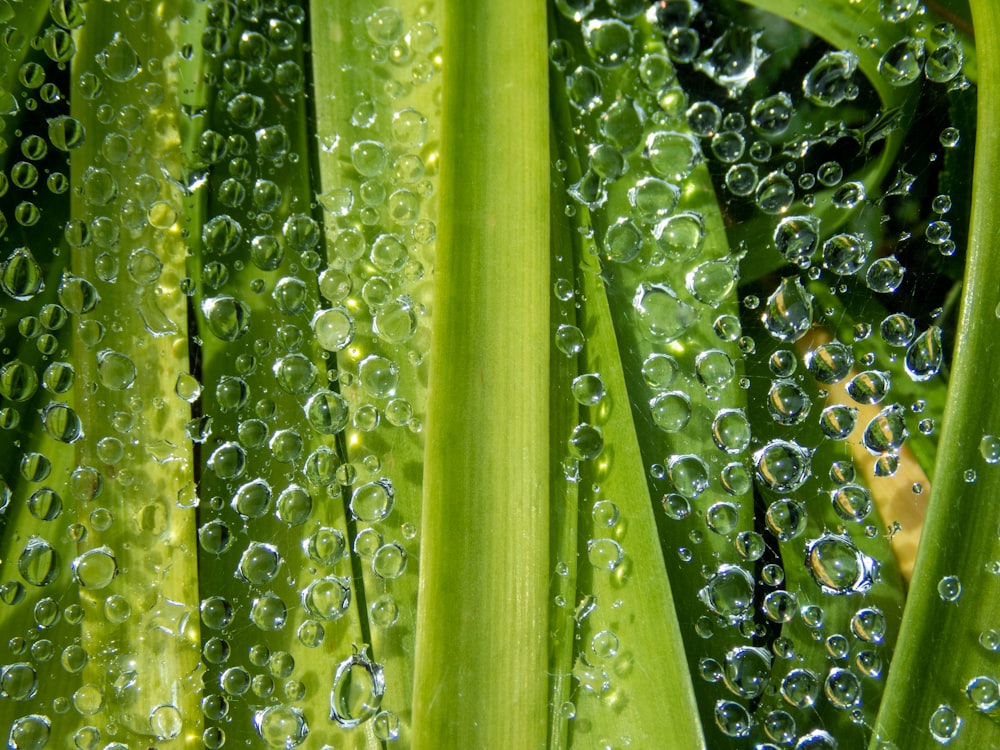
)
(305, 310)
(781, 173)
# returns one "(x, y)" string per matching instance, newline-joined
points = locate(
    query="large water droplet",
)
(729, 593)
(903, 62)
(831, 80)
(732, 61)
(925, 355)
(787, 403)
(788, 314)
(887, 431)
(227, 317)
(830, 363)
(689, 474)
(119, 60)
(95, 568)
(797, 238)
(747, 671)
(662, 316)
(838, 566)
(783, 465)
(38, 562)
(356, 695)
(944, 724)
(281, 727)
(21, 275)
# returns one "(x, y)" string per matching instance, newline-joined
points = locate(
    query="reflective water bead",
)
(950, 588)
(772, 114)
(788, 313)
(830, 363)
(787, 403)
(838, 566)
(830, 81)
(783, 465)
(944, 724)
(903, 62)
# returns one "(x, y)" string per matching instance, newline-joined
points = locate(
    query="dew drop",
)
(356, 695)
(838, 566)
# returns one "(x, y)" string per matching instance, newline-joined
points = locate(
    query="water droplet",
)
(733, 59)
(831, 80)
(588, 389)
(838, 566)
(680, 237)
(622, 241)
(844, 254)
(77, 295)
(259, 563)
(842, 688)
(327, 598)
(356, 695)
(713, 282)
(586, 442)
(786, 519)
(662, 316)
(165, 722)
(925, 355)
(732, 719)
(903, 62)
(950, 589)
(783, 465)
(772, 114)
(18, 682)
(689, 474)
(788, 314)
(608, 41)
(775, 193)
(852, 502)
(837, 421)
(671, 410)
(722, 518)
(885, 275)
(672, 155)
(118, 60)
(944, 724)
(729, 593)
(605, 554)
(869, 387)
(281, 726)
(800, 688)
(18, 381)
(830, 363)
(95, 568)
(21, 275)
(731, 431)
(989, 448)
(787, 403)
(62, 423)
(984, 692)
(373, 501)
(887, 431)
(38, 562)
(945, 62)
(869, 625)
(29, 732)
(272, 142)
(327, 412)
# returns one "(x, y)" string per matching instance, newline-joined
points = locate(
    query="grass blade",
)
(485, 530)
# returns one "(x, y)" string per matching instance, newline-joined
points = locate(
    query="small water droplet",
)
(950, 589)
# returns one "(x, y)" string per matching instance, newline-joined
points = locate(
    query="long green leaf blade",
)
(482, 617)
